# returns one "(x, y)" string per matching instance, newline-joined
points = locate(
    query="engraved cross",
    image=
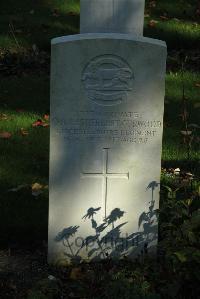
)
(105, 175)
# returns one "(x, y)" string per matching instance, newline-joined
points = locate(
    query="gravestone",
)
(107, 102)
(118, 16)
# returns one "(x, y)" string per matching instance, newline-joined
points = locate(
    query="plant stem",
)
(68, 245)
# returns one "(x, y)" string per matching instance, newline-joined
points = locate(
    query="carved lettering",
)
(124, 129)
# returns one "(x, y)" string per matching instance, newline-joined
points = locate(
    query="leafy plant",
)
(179, 245)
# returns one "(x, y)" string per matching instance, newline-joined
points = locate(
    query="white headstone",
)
(114, 16)
(107, 102)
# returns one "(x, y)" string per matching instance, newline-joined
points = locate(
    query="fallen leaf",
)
(3, 116)
(20, 110)
(5, 135)
(152, 23)
(36, 186)
(152, 4)
(164, 18)
(37, 189)
(197, 84)
(189, 174)
(40, 123)
(45, 125)
(46, 116)
(37, 123)
(23, 132)
(177, 171)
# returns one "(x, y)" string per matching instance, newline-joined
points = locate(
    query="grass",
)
(180, 27)
(24, 158)
(30, 93)
(39, 22)
(24, 98)
(23, 104)
(173, 147)
(177, 34)
(36, 23)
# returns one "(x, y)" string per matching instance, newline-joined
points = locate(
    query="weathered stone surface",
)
(107, 100)
(119, 16)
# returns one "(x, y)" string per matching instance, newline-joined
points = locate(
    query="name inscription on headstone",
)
(114, 127)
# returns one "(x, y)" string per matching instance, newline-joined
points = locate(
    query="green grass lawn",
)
(180, 25)
(24, 98)
(173, 146)
(27, 23)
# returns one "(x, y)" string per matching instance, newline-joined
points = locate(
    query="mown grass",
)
(178, 34)
(24, 159)
(180, 26)
(24, 23)
(29, 92)
(24, 98)
(173, 146)
(174, 98)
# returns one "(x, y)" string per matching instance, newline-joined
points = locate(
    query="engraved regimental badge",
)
(107, 80)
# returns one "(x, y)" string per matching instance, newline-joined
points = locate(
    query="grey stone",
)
(119, 16)
(107, 103)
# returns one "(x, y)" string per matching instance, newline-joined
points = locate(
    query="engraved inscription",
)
(105, 175)
(107, 80)
(112, 127)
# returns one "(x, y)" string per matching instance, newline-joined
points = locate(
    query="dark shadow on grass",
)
(29, 93)
(36, 23)
(23, 219)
